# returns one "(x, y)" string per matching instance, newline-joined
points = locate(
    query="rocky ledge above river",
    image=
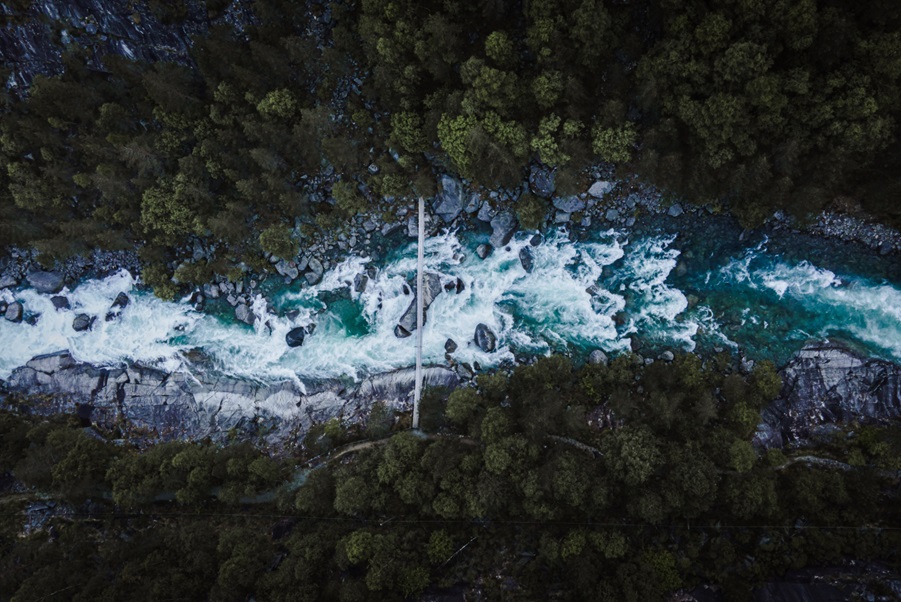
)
(146, 403)
(825, 385)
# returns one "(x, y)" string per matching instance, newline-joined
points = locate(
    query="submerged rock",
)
(296, 336)
(46, 282)
(485, 338)
(82, 322)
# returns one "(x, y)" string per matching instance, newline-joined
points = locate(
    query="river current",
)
(652, 289)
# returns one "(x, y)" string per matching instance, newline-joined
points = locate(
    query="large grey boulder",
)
(8, 281)
(597, 358)
(569, 204)
(407, 324)
(485, 338)
(296, 336)
(316, 269)
(448, 203)
(82, 322)
(46, 282)
(503, 226)
(600, 188)
(827, 384)
(541, 181)
(245, 314)
(14, 312)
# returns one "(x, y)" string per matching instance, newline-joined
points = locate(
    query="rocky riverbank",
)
(826, 385)
(144, 404)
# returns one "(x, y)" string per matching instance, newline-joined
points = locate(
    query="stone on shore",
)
(675, 210)
(541, 181)
(7, 281)
(503, 227)
(485, 338)
(569, 204)
(314, 275)
(600, 188)
(46, 282)
(296, 336)
(448, 203)
(597, 358)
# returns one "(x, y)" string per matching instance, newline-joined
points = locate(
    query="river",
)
(664, 285)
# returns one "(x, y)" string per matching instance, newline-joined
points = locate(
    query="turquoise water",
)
(650, 289)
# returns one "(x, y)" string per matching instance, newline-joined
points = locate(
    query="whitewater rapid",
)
(580, 296)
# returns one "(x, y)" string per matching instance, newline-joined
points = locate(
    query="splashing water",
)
(580, 296)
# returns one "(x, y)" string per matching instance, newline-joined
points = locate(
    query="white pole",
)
(419, 314)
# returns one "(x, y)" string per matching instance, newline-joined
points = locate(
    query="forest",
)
(263, 143)
(619, 482)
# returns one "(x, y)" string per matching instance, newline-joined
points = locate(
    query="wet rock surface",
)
(828, 384)
(485, 338)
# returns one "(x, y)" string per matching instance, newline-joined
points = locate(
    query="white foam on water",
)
(869, 310)
(142, 332)
(656, 306)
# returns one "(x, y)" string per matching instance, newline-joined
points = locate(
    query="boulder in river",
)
(485, 338)
(448, 203)
(8, 281)
(245, 314)
(82, 322)
(503, 226)
(526, 259)
(450, 346)
(296, 336)
(59, 302)
(360, 282)
(407, 323)
(14, 312)
(483, 251)
(121, 301)
(46, 282)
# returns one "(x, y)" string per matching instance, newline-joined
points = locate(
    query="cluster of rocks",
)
(51, 283)
(845, 227)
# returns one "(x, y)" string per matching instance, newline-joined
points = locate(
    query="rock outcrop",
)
(153, 405)
(827, 384)
(46, 282)
(448, 203)
(503, 227)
